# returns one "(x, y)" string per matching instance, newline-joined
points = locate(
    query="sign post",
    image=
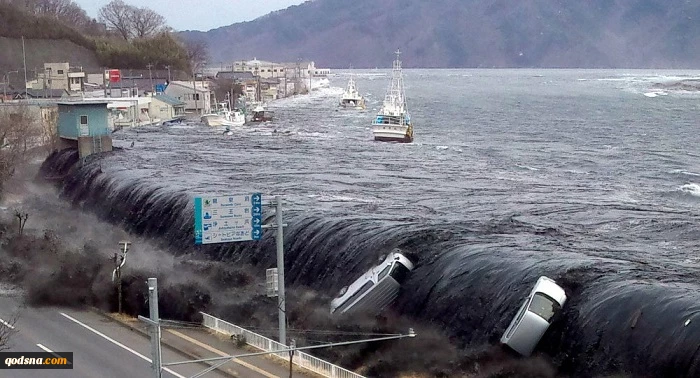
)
(237, 218)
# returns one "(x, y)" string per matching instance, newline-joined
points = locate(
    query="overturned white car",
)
(376, 289)
(534, 317)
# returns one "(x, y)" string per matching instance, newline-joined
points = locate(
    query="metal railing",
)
(300, 359)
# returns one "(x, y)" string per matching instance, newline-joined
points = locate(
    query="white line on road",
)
(6, 324)
(44, 348)
(117, 343)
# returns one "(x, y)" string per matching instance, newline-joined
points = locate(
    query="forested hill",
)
(61, 31)
(470, 33)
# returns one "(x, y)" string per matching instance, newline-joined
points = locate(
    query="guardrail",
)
(301, 359)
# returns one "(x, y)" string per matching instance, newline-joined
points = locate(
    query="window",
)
(399, 272)
(196, 96)
(544, 306)
(83, 120)
(60, 72)
(384, 272)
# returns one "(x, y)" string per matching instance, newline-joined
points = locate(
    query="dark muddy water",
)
(589, 177)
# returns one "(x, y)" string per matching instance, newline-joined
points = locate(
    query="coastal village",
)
(74, 106)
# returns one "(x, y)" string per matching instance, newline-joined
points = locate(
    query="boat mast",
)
(395, 95)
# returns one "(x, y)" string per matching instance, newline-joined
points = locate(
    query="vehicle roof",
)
(547, 286)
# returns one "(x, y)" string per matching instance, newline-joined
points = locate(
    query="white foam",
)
(682, 172)
(528, 167)
(692, 189)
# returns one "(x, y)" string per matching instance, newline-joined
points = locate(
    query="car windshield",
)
(384, 272)
(544, 306)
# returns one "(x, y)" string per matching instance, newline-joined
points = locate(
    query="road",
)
(104, 348)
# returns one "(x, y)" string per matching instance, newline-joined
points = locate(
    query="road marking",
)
(6, 324)
(222, 354)
(44, 348)
(117, 343)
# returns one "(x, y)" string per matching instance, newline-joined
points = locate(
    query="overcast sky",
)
(200, 14)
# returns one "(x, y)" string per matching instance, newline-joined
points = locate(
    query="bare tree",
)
(7, 329)
(146, 22)
(118, 15)
(66, 11)
(19, 134)
(22, 217)
(196, 54)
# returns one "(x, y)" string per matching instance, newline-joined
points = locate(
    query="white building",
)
(59, 76)
(261, 68)
(197, 96)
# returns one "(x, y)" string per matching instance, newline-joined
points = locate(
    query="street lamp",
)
(6, 82)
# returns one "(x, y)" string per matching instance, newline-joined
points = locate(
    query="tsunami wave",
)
(621, 315)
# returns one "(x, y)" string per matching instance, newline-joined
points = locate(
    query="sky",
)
(199, 14)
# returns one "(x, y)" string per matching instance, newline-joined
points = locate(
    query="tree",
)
(130, 21)
(7, 329)
(19, 134)
(146, 22)
(66, 11)
(7, 326)
(196, 55)
(118, 17)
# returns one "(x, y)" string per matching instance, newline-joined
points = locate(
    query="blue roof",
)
(170, 100)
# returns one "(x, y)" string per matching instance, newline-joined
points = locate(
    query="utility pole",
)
(117, 273)
(24, 58)
(168, 68)
(150, 76)
(292, 345)
(154, 330)
(194, 87)
(104, 80)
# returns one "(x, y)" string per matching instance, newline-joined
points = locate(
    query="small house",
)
(84, 125)
(166, 108)
(196, 95)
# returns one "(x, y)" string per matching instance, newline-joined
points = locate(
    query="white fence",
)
(300, 359)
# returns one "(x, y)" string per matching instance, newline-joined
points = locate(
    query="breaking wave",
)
(622, 316)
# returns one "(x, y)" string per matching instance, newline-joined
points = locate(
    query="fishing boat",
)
(223, 116)
(352, 97)
(393, 121)
(261, 115)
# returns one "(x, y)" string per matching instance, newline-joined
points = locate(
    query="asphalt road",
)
(100, 346)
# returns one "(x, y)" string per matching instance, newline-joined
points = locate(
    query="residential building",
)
(196, 95)
(84, 124)
(261, 68)
(45, 93)
(166, 108)
(269, 89)
(60, 76)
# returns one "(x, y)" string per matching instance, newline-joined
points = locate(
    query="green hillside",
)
(48, 39)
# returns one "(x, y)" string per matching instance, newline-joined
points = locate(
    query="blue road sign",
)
(226, 219)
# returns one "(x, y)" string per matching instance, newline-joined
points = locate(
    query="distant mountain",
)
(469, 33)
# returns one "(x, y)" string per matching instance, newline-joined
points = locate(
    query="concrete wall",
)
(94, 145)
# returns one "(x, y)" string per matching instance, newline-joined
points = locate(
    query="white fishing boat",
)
(260, 114)
(393, 121)
(352, 97)
(223, 116)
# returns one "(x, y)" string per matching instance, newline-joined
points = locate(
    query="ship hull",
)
(393, 133)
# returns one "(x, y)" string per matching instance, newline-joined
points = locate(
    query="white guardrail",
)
(300, 359)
